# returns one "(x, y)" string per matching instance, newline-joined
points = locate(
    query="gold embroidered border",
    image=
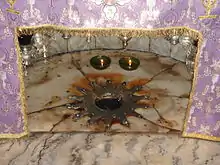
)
(22, 92)
(196, 70)
(200, 136)
(137, 32)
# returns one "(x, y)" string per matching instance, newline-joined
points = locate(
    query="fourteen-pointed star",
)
(108, 102)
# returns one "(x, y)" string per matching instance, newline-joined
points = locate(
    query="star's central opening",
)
(108, 103)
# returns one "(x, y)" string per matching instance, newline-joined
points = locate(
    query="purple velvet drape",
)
(204, 113)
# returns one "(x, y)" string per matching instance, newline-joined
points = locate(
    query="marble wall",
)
(160, 46)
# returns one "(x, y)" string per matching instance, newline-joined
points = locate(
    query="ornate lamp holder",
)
(124, 40)
(186, 41)
(129, 63)
(174, 40)
(100, 62)
(66, 36)
(183, 40)
(190, 46)
(26, 50)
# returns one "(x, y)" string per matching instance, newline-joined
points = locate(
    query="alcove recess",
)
(165, 73)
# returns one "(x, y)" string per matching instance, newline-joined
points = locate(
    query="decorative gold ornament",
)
(208, 5)
(11, 8)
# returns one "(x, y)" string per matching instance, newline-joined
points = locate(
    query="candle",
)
(100, 62)
(129, 63)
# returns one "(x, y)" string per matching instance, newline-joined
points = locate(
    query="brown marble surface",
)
(46, 86)
(100, 149)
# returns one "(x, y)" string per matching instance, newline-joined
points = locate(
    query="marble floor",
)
(166, 80)
(157, 141)
(101, 149)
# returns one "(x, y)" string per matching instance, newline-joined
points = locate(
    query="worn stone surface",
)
(168, 81)
(74, 43)
(178, 52)
(57, 45)
(141, 44)
(98, 149)
(77, 43)
(110, 42)
(160, 46)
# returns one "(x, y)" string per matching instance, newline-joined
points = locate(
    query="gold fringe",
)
(14, 136)
(200, 136)
(85, 32)
(22, 86)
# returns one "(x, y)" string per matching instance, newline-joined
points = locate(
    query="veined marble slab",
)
(47, 86)
(99, 149)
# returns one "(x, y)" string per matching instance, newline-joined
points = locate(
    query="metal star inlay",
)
(108, 102)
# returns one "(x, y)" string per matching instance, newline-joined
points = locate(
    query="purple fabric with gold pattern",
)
(204, 115)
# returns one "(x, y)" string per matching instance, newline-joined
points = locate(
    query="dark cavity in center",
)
(108, 103)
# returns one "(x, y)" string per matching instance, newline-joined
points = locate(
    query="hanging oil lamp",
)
(100, 62)
(124, 40)
(129, 63)
(25, 39)
(174, 40)
(186, 41)
(26, 50)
